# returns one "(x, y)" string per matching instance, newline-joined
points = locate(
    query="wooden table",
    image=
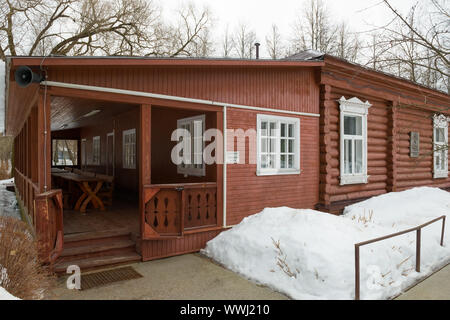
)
(89, 193)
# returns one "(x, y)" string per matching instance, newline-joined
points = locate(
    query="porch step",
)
(90, 250)
(98, 262)
(82, 236)
(98, 247)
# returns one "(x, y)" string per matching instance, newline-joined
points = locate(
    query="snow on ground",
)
(5, 295)
(315, 254)
(8, 201)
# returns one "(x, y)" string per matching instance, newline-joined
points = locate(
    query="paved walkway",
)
(436, 287)
(190, 276)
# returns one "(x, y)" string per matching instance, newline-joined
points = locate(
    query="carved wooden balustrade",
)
(172, 209)
(45, 213)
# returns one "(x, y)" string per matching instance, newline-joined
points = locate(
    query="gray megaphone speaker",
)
(24, 76)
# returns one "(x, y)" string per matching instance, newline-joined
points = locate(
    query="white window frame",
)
(94, 156)
(191, 169)
(278, 170)
(129, 147)
(440, 122)
(353, 107)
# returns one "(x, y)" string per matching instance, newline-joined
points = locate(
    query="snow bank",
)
(308, 254)
(8, 201)
(5, 295)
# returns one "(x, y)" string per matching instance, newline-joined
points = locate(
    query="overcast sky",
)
(261, 14)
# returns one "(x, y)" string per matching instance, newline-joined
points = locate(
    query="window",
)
(278, 145)
(440, 137)
(195, 126)
(65, 152)
(353, 144)
(96, 150)
(129, 149)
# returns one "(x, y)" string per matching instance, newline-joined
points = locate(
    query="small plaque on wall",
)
(232, 157)
(414, 145)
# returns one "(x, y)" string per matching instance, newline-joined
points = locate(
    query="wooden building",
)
(117, 196)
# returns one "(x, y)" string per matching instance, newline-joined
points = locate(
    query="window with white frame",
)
(278, 145)
(440, 139)
(96, 150)
(353, 142)
(129, 149)
(194, 165)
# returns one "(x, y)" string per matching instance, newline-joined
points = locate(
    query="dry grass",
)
(25, 276)
(281, 261)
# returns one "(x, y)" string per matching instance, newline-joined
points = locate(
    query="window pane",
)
(272, 129)
(291, 162)
(283, 130)
(65, 152)
(264, 145)
(291, 131)
(283, 162)
(358, 156)
(272, 145)
(347, 156)
(283, 146)
(443, 158)
(291, 146)
(271, 163)
(439, 133)
(353, 125)
(264, 161)
(263, 128)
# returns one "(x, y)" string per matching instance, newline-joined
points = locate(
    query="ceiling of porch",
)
(69, 113)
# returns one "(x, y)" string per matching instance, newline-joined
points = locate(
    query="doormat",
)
(98, 279)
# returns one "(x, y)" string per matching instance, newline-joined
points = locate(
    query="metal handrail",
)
(418, 242)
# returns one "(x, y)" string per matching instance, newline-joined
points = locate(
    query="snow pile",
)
(5, 295)
(308, 254)
(8, 201)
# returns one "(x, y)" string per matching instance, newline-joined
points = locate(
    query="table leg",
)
(92, 196)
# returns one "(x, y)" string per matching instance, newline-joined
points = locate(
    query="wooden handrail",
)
(418, 229)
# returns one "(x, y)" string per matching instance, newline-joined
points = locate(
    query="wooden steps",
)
(98, 262)
(91, 250)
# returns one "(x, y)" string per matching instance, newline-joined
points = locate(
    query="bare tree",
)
(347, 45)
(80, 27)
(314, 29)
(244, 40)
(227, 43)
(420, 43)
(274, 43)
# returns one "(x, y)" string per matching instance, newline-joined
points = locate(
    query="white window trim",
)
(353, 107)
(124, 134)
(278, 171)
(188, 169)
(440, 121)
(96, 138)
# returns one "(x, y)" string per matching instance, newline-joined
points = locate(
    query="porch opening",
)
(94, 162)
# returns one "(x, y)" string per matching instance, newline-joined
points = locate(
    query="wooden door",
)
(110, 154)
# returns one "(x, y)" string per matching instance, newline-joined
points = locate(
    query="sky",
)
(361, 15)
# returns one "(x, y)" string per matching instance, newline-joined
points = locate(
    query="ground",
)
(189, 276)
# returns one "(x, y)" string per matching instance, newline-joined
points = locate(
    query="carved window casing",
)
(440, 146)
(353, 141)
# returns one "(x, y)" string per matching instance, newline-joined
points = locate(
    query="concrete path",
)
(436, 287)
(190, 276)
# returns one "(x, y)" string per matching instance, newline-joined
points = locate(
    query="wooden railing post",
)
(418, 237)
(357, 273)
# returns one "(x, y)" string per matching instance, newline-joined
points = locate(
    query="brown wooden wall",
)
(164, 121)
(394, 114)
(127, 179)
(412, 172)
(248, 193)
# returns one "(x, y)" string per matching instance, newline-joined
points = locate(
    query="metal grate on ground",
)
(102, 278)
